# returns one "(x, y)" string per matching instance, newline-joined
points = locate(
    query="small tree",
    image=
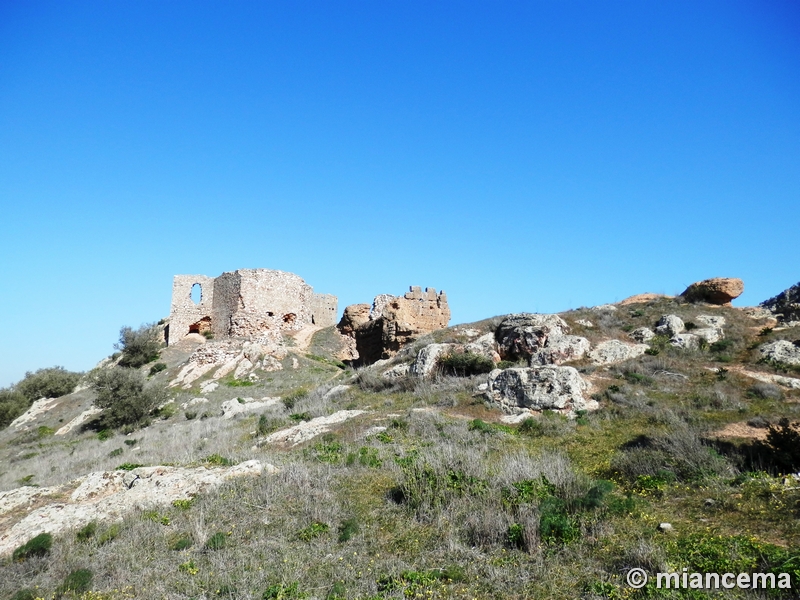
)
(12, 405)
(139, 346)
(48, 383)
(125, 397)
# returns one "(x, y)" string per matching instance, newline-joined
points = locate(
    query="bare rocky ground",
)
(280, 473)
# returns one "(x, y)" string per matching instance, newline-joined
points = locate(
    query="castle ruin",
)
(379, 330)
(245, 303)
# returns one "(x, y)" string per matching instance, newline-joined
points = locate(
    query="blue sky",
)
(531, 156)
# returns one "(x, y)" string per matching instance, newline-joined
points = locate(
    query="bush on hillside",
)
(12, 405)
(125, 397)
(48, 383)
(464, 364)
(139, 346)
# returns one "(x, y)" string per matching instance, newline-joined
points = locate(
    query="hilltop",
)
(392, 456)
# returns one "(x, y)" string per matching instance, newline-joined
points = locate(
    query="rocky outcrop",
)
(719, 290)
(108, 496)
(670, 325)
(235, 357)
(239, 406)
(642, 335)
(560, 349)
(310, 429)
(391, 322)
(427, 358)
(641, 299)
(484, 346)
(522, 335)
(37, 409)
(615, 351)
(781, 351)
(786, 305)
(539, 388)
(685, 341)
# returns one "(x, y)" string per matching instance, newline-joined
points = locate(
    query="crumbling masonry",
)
(245, 303)
(381, 329)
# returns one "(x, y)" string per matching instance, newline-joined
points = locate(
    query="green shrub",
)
(115, 453)
(348, 529)
(218, 461)
(131, 442)
(48, 383)
(464, 364)
(78, 581)
(239, 383)
(180, 541)
(44, 431)
(289, 400)
(190, 415)
(12, 404)
(365, 456)
(217, 541)
(480, 426)
(721, 346)
(139, 346)
(129, 466)
(25, 594)
(110, 534)
(303, 416)
(183, 504)
(267, 425)
(157, 368)
(327, 452)
(125, 397)
(37, 546)
(314, 530)
(781, 448)
(530, 426)
(86, 532)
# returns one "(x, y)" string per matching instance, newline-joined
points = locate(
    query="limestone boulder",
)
(709, 334)
(397, 371)
(713, 321)
(238, 406)
(559, 349)
(427, 359)
(485, 346)
(782, 351)
(670, 325)
(642, 335)
(615, 351)
(523, 334)
(786, 305)
(719, 290)
(685, 341)
(539, 388)
(307, 430)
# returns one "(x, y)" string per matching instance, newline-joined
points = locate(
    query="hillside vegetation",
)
(431, 491)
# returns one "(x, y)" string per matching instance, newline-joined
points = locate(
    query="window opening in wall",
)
(197, 293)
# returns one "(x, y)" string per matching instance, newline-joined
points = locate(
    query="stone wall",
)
(184, 313)
(247, 302)
(324, 308)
